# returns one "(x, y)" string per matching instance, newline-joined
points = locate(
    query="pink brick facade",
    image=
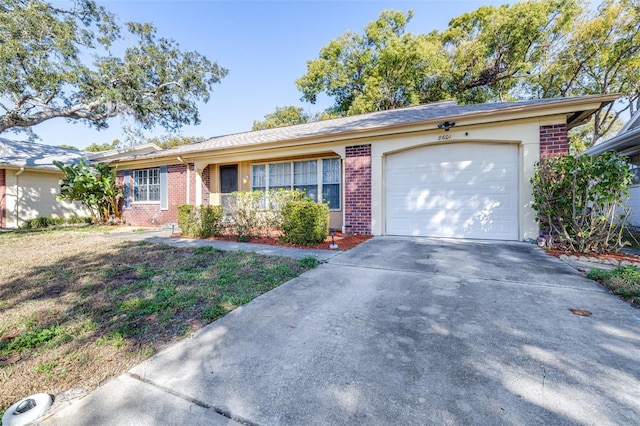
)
(357, 179)
(554, 141)
(3, 198)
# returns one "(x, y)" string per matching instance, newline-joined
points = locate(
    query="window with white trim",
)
(319, 179)
(146, 185)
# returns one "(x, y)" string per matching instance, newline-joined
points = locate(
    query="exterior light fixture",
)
(333, 245)
(245, 179)
(446, 125)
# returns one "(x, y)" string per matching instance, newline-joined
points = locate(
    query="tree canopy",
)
(528, 50)
(59, 63)
(282, 116)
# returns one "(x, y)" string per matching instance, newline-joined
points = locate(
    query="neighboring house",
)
(29, 182)
(627, 143)
(440, 170)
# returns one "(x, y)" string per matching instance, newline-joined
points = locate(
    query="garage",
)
(456, 190)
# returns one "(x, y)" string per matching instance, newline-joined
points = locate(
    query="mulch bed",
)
(344, 242)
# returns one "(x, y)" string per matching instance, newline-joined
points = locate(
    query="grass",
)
(77, 308)
(623, 281)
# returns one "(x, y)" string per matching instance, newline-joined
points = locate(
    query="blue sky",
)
(265, 46)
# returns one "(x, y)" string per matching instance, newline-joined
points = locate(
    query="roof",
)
(375, 121)
(113, 154)
(626, 141)
(36, 155)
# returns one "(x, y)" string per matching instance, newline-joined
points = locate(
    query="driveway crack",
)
(195, 401)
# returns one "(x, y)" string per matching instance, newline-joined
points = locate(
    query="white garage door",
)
(466, 190)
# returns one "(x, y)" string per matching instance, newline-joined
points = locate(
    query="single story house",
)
(627, 143)
(29, 182)
(439, 169)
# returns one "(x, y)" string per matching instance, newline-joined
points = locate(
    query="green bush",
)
(203, 222)
(186, 219)
(210, 221)
(256, 213)
(305, 222)
(581, 201)
(45, 222)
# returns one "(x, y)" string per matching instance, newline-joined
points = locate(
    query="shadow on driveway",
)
(406, 331)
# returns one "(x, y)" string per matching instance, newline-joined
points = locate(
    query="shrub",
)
(203, 222)
(186, 219)
(243, 210)
(256, 213)
(45, 222)
(37, 223)
(210, 221)
(581, 201)
(305, 222)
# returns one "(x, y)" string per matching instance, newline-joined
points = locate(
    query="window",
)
(331, 182)
(319, 179)
(280, 175)
(146, 185)
(305, 178)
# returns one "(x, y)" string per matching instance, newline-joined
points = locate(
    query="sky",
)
(265, 45)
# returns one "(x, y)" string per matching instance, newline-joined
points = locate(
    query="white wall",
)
(634, 203)
(32, 194)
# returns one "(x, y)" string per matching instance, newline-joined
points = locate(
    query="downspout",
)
(188, 177)
(17, 220)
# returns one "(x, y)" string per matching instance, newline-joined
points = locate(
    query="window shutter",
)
(164, 188)
(127, 189)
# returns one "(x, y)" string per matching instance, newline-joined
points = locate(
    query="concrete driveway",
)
(399, 331)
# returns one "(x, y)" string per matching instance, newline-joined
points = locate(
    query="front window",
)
(305, 178)
(318, 179)
(146, 185)
(331, 182)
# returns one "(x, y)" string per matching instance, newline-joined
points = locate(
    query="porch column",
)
(198, 168)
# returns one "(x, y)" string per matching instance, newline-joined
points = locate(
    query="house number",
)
(444, 137)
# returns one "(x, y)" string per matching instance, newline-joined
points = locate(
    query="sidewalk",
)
(165, 236)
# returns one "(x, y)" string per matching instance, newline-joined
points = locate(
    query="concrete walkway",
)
(166, 237)
(398, 331)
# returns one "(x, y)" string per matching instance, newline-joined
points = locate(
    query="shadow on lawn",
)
(87, 317)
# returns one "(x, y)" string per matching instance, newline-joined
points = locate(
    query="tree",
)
(171, 141)
(479, 58)
(43, 74)
(106, 146)
(96, 190)
(68, 146)
(282, 116)
(601, 54)
(492, 49)
(383, 68)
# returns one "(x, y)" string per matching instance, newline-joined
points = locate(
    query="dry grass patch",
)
(77, 307)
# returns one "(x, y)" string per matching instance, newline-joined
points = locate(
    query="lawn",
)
(79, 306)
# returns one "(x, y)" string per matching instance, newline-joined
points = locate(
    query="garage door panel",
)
(462, 190)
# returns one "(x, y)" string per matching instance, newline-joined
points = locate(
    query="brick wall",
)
(3, 198)
(357, 178)
(192, 184)
(151, 214)
(206, 184)
(554, 141)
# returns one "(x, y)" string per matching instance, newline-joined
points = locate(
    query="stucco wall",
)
(32, 194)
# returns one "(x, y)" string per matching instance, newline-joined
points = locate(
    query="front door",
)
(228, 182)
